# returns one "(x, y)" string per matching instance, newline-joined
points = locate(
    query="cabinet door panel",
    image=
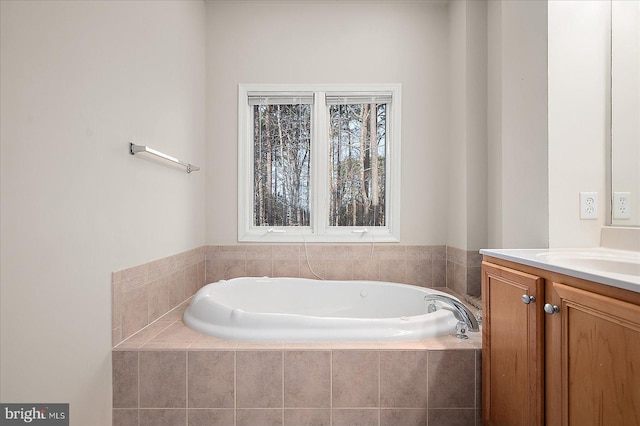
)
(600, 358)
(512, 353)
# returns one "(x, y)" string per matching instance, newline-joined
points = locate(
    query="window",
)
(318, 163)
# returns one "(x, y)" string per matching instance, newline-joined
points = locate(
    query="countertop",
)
(616, 268)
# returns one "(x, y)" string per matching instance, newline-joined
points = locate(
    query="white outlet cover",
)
(622, 205)
(588, 205)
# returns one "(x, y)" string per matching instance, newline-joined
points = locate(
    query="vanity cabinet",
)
(576, 364)
(512, 347)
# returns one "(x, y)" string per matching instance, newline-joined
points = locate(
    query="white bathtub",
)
(295, 309)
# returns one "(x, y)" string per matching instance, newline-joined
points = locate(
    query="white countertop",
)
(616, 268)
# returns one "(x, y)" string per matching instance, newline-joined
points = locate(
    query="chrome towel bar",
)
(135, 149)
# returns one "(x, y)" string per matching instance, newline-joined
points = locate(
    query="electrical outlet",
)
(588, 205)
(622, 205)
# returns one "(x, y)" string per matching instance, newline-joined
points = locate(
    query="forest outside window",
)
(318, 163)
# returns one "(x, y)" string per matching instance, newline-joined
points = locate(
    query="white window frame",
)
(319, 229)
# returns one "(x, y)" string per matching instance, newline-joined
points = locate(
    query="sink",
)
(601, 260)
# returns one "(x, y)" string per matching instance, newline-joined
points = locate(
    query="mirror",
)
(625, 113)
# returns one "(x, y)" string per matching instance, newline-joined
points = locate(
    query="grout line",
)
(235, 388)
(138, 361)
(427, 367)
(379, 387)
(282, 412)
(186, 383)
(331, 387)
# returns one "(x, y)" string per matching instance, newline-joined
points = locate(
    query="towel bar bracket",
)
(134, 149)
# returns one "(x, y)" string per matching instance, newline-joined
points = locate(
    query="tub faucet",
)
(463, 313)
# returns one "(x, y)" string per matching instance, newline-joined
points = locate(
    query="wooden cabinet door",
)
(512, 348)
(593, 354)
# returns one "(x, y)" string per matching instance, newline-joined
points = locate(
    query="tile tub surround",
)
(144, 293)
(463, 271)
(418, 265)
(168, 374)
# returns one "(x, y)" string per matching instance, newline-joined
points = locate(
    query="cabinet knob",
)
(526, 299)
(551, 309)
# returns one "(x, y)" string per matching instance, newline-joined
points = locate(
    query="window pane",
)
(357, 161)
(281, 161)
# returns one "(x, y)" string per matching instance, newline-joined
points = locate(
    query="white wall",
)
(625, 104)
(578, 81)
(78, 81)
(517, 124)
(402, 42)
(467, 197)
(457, 170)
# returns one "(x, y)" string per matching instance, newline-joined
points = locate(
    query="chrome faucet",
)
(462, 312)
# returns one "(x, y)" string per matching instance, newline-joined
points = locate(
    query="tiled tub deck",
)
(167, 374)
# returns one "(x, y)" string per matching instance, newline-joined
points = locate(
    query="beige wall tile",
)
(176, 313)
(176, 288)
(438, 252)
(403, 416)
(158, 298)
(125, 379)
(213, 270)
(158, 269)
(474, 259)
(204, 341)
(232, 268)
(202, 279)
(474, 281)
(456, 255)
(210, 417)
(134, 311)
(191, 283)
(365, 269)
(419, 272)
(260, 346)
(355, 417)
(452, 379)
(210, 379)
(403, 379)
(287, 267)
(439, 273)
(163, 379)
(262, 417)
(419, 252)
(163, 417)
(459, 279)
(124, 417)
(134, 278)
(116, 304)
(355, 378)
(146, 334)
(392, 270)
(451, 417)
(339, 269)
(286, 251)
(450, 275)
(307, 417)
(319, 266)
(259, 267)
(176, 335)
(259, 379)
(307, 379)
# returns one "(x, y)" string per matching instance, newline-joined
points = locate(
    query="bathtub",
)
(303, 310)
